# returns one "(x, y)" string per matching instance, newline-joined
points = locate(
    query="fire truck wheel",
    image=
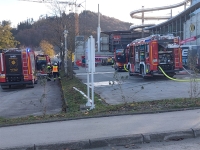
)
(142, 72)
(171, 75)
(117, 69)
(130, 74)
(35, 81)
(30, 85)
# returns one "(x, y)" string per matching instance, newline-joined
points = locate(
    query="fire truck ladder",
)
(25, 65)
(176, 53)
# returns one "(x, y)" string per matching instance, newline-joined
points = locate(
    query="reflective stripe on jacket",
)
(55, 68)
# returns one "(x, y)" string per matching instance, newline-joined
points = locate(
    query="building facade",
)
(191, 28)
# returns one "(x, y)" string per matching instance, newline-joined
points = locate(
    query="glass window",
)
(120, 51)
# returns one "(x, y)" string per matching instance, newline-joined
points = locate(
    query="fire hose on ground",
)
(125, 68)
(179, 80)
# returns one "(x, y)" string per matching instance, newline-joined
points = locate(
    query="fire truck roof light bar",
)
(14, 50)
(155, 37)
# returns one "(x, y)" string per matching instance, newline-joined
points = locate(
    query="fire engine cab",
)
(17, 67)
(41, 63)
(120, 57)
(146, 55)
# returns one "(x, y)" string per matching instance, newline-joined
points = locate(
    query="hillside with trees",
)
(32, 34)
(88, 22)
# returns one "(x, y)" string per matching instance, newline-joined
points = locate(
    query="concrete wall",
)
(79, 52)
(104, 43)
(79, 47)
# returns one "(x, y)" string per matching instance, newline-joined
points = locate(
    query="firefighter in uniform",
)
(49, 71)
(110, 61)
(55, 71)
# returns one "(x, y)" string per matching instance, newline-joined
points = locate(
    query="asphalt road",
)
(134, 88)
(20, 102)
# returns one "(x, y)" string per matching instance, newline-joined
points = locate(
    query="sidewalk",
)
(97, 132)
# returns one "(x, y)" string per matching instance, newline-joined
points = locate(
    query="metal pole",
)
(171, 13)
(92, 56)
(66, 54)
(98, 30)
(65, 35)
(142, 22)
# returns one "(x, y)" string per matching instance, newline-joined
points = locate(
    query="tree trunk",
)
(62, 59)
(70, 68)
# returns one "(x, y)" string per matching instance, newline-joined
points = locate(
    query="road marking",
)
(80, 74)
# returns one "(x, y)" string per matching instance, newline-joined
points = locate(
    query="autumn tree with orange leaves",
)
(47, 48)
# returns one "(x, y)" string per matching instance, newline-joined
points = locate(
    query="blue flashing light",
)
(28, 50)
(148, 40)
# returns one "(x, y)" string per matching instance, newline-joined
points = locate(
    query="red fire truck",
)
(41, 63)
(120, 59)
(17, 67)
(146, 55)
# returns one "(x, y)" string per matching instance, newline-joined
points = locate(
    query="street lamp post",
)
(65, 35)
(60, 55)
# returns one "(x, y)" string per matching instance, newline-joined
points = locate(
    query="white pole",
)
(98, 30)
(80, 92)
(92, 69)
(88, 71)
(88, 89)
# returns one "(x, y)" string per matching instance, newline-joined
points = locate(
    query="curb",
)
(118, 141)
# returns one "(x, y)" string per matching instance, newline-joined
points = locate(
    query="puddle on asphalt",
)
(104, 83)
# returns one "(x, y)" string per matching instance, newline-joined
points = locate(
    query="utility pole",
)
(98, 30)
(65, 35)
(142, 22)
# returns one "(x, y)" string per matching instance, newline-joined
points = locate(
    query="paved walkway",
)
(98, 131)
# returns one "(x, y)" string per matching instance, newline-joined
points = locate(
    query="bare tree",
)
(56, 26)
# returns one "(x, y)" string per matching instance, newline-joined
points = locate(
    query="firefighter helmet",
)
(55, 64)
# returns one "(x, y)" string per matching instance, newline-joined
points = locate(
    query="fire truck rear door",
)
(13, 63)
